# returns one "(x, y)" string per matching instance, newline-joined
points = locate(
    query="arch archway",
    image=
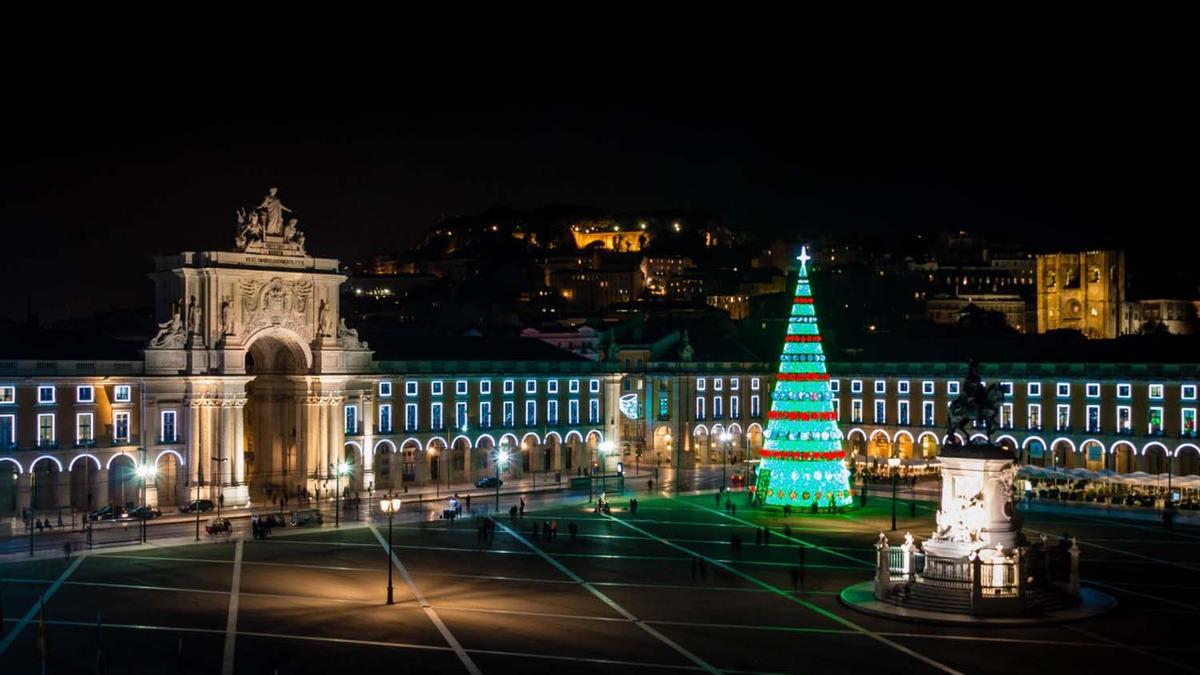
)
(701, 444)
(1155, 457)
(1063, 454)
(277, 360)
(904, 444)
(1188, 457)
(460, 450)
(857, 439)
(573, 451)
(754, 439)
(84, 472)
(929, 444)
(880, 445)
(168, 475)
(47, 475)
(551, 451)
(1092, 454)
(663, 444)
(485, 447)
(1124, 456)
(1035, 451)
(10, 474)
(122, 481)
(440, 461)
(1008, 443)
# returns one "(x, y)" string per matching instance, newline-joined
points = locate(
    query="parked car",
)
(490, 481)
(104, 513)
(143, 512)
(303, 517)
(198, 504)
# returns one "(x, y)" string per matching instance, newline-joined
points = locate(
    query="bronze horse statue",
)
(975, 403)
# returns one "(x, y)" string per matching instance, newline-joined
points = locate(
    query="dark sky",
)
(97, 182)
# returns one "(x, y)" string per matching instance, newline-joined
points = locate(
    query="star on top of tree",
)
(804, 257)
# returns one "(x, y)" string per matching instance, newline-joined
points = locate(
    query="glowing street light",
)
(894, 464)
(502, 456)
(725, 438)
(390, 506)
(145, 472)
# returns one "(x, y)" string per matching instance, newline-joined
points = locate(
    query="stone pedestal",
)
(976, 507)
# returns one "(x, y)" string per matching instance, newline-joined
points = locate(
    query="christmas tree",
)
(802, 456)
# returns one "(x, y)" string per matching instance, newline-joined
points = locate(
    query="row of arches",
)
(87, 482)
(1122, 456)
(708, 447)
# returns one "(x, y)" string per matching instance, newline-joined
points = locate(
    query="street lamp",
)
(145, 472)
(894, 464)
(501, 458)
(390, 506)
(342, 469)
(725, 439)
(605, 448)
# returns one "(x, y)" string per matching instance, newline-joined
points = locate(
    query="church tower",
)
(1081, 291)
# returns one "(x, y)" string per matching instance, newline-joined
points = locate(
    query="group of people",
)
(549, 531)
(261, 527)
(39, 525)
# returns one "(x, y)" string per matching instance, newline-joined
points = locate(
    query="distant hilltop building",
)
(610, 235)
(1081, 291)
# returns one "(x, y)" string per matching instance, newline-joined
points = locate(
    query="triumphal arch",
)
(253, 352)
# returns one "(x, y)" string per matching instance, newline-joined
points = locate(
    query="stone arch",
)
(552, 451)
(460, 453)
(18, 464)
(47, 476)
(10, 473)
(485, 445)
(880, 444)
(1063, 453)
(167, 476)
(438, 456)
(1034, 449)
(349, 456)
(754, 439)
(701, 443)
(1188, 455)
(858, 442)
(1155, 457)
(122, 480)
(1089, 457)
(904, 444)
(929, 444)
(1008, 443)
(663, 443)
(572, 451)
(276, 350)
(1124, 456)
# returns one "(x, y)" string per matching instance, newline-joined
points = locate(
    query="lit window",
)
(880, 413)
(1187, 422)
(385, 418)
(552, 387)
(46, 429)
(351, 419)
(1124, 419)
(8, 430)
(411, 421)
(594, 386)
(1033, 421)
(46, 394)
(1034, 389)
(1093, 418)
(460, 415)
(1092, 390)
(952, 388)
(83, 429)
(1062, 420)
(485, 414)
(880, 386)
(435, 388)
(573, 411)
(460, 387)
(385, 389)
(169, 433)
(733, 383)
(508, 414)
(530, 386)
(573, 386)
(122, 393)
(1188, 392)
(509, 386)
(121, 426)
(700, 384)
(552, 413)
(1156, 421)
(716, 408)
(699, 407)
(735, 410)
(754, 384)
(1006, 416)
(902, 413)
(485, 386)
(85, 394)
(835, 386)
(8, 395)
(1007, 388)
(1063, 390)
(856, 411)
(410, 388)
(593, 411)
(855, 386)
(902, 386)
(1156, 391)
(435, 417)
(927, 387)
(755, 406)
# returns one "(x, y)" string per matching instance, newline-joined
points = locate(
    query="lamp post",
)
(501, 458)
(605, 448)
(145, 472)
(196, 506)
(894, 465)
(390, 506)
(340, 470)
(220, 485)
(725, 439)
(437, 485)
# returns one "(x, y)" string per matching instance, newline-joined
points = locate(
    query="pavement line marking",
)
(579, 617)
(231, 618)
(803, 603)
(609, 601)
(779, 534)
(49, 593)
(1139, 650)
(1083, 542)
(1122, 589)
(429, 611)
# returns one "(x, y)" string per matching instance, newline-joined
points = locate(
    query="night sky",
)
(88, 198)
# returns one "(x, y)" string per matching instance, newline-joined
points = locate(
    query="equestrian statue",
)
(975, 403)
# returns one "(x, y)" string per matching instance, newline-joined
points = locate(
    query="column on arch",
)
(193, 442)
(238, 410)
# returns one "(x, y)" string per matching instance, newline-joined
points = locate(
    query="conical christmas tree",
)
(802, 456)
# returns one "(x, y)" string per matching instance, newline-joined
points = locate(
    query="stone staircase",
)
(921, 595)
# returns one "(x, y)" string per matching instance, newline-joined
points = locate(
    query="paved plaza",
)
(627, 593)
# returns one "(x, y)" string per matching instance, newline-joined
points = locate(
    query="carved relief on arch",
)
(276, 303)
